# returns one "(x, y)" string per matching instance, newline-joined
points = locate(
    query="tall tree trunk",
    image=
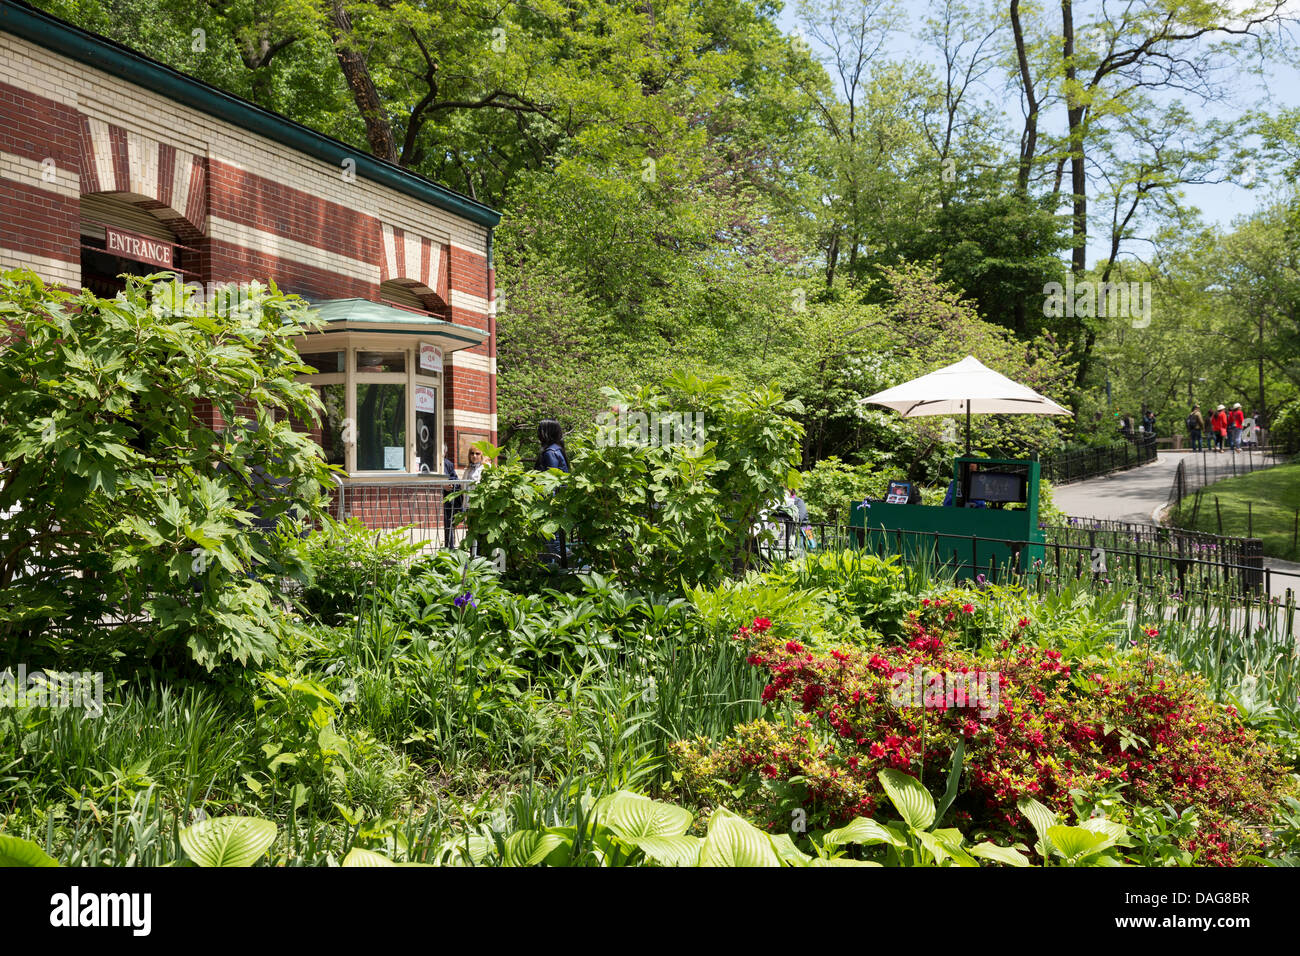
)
(1078, 180)
(379, 130)
(832, 256)
(1028, 143)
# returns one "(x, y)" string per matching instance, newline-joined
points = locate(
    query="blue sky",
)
(1219, 203)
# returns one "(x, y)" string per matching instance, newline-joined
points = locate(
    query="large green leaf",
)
(1042, 820)
(840, 861)
(631, 816)
(670, 850)
(954, 779)
(937, 850)
(468, 850)
(954, 842)
(790, 854)
(866, 832)
(734, 841)
(1074, 842)
(228, 841)
(531, 847)
(15, 851)
(999, 854)
(1114, 832)
(358, 856)
(910, 798)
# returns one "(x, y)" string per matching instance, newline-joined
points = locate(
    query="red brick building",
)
(112, 163)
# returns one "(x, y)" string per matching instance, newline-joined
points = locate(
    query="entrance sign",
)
(430, 358)
(132, 245)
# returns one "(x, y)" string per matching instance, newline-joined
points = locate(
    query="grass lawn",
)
(1274, 496)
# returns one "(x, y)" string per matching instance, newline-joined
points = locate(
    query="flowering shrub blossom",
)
(1060, 726)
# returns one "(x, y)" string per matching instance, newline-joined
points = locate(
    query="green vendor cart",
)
(990, 527)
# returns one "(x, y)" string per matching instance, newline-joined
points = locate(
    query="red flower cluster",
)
(1058, 727)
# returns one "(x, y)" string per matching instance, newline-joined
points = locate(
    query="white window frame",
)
(352, 343)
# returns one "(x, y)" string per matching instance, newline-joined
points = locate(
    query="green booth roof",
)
(365, 315)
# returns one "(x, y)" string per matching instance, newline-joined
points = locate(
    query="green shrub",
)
(1285, 431)
(666, 514)
(830, 487)
(345, 561)
(118, 503)
(864, 587)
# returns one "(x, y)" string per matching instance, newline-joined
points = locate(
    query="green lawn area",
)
(1273, 495)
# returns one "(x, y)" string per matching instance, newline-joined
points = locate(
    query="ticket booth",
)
(989, 527)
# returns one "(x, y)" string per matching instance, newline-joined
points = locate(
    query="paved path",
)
(1124, 495)
(1134, 494)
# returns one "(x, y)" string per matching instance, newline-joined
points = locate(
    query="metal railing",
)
(1160, 541)
(1200, 470)
(1186, 573)
(1093, 462)
(431, 510)
(1144, 556)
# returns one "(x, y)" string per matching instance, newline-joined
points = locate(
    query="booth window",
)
(381, 411)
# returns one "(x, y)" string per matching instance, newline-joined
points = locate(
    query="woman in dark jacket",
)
(550, 435)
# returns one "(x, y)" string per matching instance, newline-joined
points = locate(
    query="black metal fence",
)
(1157, 541)
(1111, 553)
(1198, 471)
(1092, 462)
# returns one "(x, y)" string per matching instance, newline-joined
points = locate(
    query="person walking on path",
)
(1219, 425)
(1236, 421)
(1149, 423)
(1195, 427)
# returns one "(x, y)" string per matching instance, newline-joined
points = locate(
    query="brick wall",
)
(252, 208)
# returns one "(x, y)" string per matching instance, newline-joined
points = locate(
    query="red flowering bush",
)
(1032, 723)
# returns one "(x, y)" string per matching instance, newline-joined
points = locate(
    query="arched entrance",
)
(119, 235)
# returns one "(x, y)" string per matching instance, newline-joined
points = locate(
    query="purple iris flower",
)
(464, 599)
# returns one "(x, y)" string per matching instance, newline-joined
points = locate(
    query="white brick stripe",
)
(413, 256)
(464, 358)
(142, 165)
(467, 419)
(390, 251)
(282, 248)
(182, 173)
(479, 250)
(435, 266)
(53, 271)
(101, 145)
(464, 300)
(29, 172)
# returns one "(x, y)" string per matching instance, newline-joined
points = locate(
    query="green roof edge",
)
(103, 54)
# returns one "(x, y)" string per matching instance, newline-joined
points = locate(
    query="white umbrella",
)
(965, 387)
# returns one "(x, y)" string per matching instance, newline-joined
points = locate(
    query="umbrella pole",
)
(968, 428)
